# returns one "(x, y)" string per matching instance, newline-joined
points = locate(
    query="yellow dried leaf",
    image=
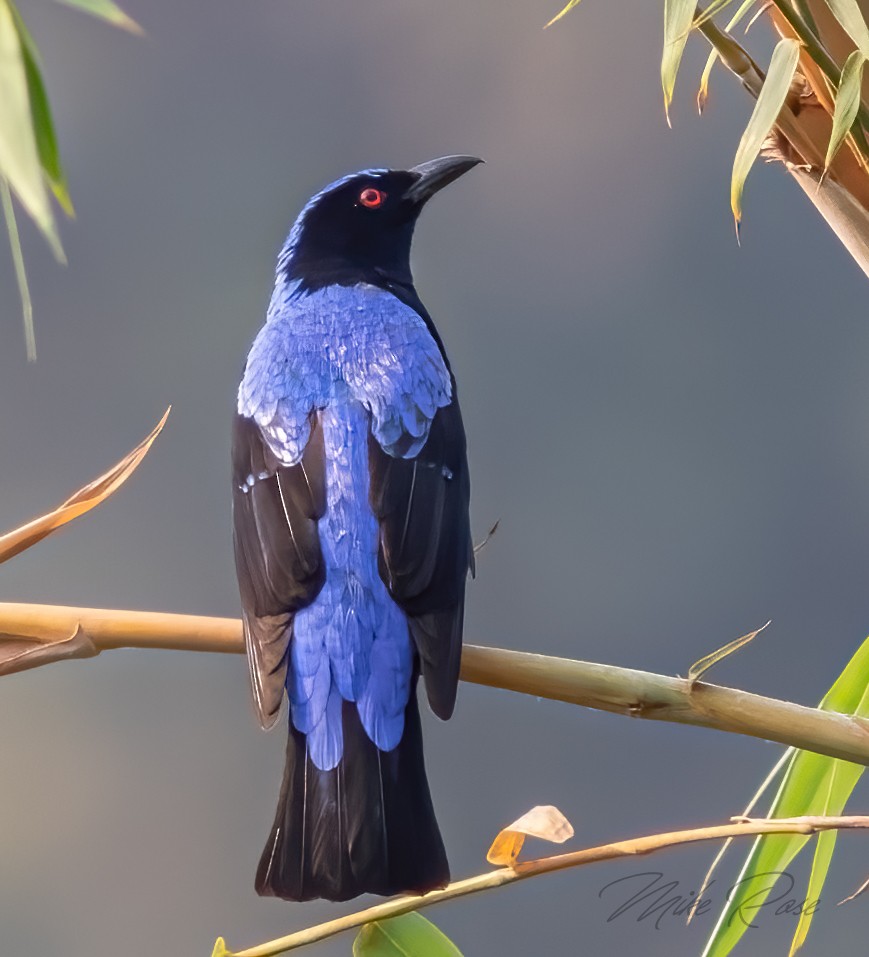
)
(82, 501)
(543, 821)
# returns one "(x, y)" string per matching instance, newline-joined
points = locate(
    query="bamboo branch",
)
(743, 67)
(32, 635)
(816, 50)
(508, 875)
(846, 215)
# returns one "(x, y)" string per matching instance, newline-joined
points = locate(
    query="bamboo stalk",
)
(838, 202)
(816, 51)
(32, 635)
(520, 871)
(736, 59)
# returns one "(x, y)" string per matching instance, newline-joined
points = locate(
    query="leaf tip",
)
(124, 21)
(736, 209)
(561, 13)
(48, 228)
(65, 201)
(131, 26)
(220, 949)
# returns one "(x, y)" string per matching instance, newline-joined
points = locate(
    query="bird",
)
(352, 541)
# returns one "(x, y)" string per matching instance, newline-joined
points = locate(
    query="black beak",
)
(436, 174)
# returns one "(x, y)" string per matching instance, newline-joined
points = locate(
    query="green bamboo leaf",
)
(43, 126)
(409, 935)
(847, 104)
(703, 92)
(820, 867)
(813, 784)
(105, 10)
(678, 17)
(842, 781)
(848, 13)
(571, 4)
(20, 272)
(19, 154)
(772, 97)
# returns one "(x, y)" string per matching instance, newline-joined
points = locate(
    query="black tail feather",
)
(367, 826)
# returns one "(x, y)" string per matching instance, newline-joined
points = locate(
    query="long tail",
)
(367, 826)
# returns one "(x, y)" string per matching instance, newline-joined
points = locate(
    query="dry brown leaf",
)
(19, 539)
(543, 821)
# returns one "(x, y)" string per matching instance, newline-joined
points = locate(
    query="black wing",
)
(277, 551)
(425, 545)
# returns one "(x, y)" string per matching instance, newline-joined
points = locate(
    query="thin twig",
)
(856, 893)
(758, 794)
(506, 875)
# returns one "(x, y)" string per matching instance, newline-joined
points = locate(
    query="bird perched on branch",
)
(352, 539)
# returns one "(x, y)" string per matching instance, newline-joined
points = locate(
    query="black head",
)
(360, 228)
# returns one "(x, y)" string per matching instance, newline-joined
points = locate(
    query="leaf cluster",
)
(30, 164)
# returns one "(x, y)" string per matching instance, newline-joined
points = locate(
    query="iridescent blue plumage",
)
(363, 362)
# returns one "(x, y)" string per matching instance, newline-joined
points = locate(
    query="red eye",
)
(371, 197)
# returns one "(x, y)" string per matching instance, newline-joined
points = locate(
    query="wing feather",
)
(275, 509)
(422, 505)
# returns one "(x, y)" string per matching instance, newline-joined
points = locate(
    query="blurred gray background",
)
(671, 429)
